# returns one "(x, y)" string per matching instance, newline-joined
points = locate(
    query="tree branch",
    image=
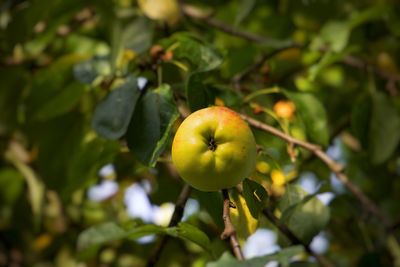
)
(335, 167)
(198, 14)
(175, 219)
(229, 231)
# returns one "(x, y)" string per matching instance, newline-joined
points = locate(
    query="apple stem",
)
(229, 230)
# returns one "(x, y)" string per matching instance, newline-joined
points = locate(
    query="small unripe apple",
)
(214, 149)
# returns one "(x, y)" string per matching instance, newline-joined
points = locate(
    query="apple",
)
(214, 149)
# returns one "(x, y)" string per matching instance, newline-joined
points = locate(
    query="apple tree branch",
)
(229, 230)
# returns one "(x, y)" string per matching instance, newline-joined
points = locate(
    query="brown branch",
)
(175, 219)
(323, 261)
(335, 167)
(229, 230)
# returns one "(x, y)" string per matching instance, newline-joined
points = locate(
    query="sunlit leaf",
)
(245, 224)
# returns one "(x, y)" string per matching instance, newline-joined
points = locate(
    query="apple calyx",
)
(212, 144)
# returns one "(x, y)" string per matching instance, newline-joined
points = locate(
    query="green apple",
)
(214, 149)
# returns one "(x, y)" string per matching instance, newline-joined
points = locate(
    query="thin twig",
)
(229, 230)
(175, 219)
(323, 261)
(335, 167)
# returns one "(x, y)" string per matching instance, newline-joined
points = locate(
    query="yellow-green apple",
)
(214, 149)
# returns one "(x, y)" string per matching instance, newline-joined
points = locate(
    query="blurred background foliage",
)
(91, 93)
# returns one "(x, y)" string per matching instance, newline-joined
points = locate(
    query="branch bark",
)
(335, 167)
(229, 231)
(175, 219)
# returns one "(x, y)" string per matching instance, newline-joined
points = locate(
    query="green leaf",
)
(328, 59)
(313, 115)
(113, 114)
(107, 232)
(255, 196)
(62, 103)
(138, 35)
(13, 81)
(384, 133)
(87, 71)
(283, 257)
(151, 124)
(100, 234)
(85, 163)
(305, 218)
(360, 118)
(336, 34)
(51, 87)
(11, 185)
(190, 233)
(35, 185)
(203, 58)
(244, 10)
(212, 202)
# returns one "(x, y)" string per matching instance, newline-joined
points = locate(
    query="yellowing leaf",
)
(164, 10)
(242, 220)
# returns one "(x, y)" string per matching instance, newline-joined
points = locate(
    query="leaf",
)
(360, 118)
(336, 34)
(203, 58)
(62, 103)
(384, 133)
(245, 8)
(307, 217)
(212, 202)
(13, 81)
(52, 86)
(100, 234)
(107, 232)
(11, 185)
(283, 257)
(151, 124)
(138, 35)
(35, 186)
(245, 224)
(87, 71)
(313, 115)
(113, 114)
(190, 233)
(85, 163)
(255, 196)
(328, 59)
